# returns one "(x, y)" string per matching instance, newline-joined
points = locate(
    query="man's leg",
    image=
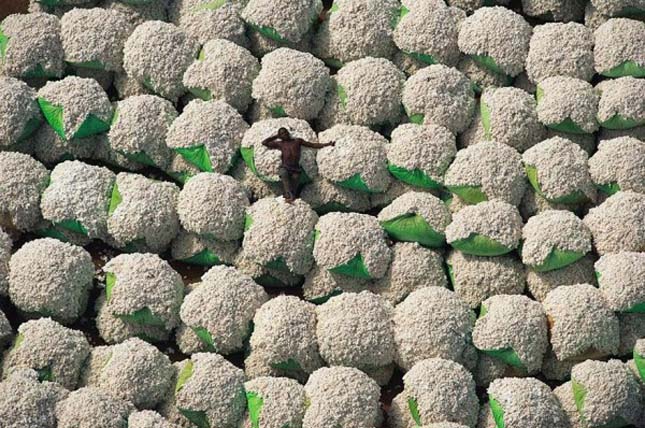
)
(295, 184)
(285, 178)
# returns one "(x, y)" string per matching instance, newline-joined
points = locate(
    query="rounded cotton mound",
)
(148, 419)
(205, 20)
(56, 353)
(341, 396)
(428, 33)
(280, 235)
(579, 272)
(6, 332)
(558, 49)
(94, 38)
(554, 239)
(555, 10)
(134, 371)
(5, 255)
(620, 277)
(497, 38)
(92, 408)
(266, 277)
(618, 224)
(50, 148)
(420, 155)
(213, 205)
(143, 289)
(26, 402)
(356, 330)
(525, 402)
(208, 312)
(439, 95)
(432, 387)
(512, 329)
(487, 171)
(413, 267)
(481, 77)
(207, 134)
(581, 323)
(139, 129)
(77, 198)
(619, 48)
(209, 391)
(202, 250)
(358, 159)
(325, 196)
(158, 54)
(416, 217)
(509, 116)
(619, 164)
(19, 112)
(320, 285)
(132, 224)
(278, 402)
(52, 278)
(266, 163)
(22, 180)
(283, 21)
(621, 103)
(475, 279)
(568, 104)
(224, 71)
(283, 342)
(292, 83)
(355, 29)
(351, 244)
(558, 170)
(433, 322)
(486, 229)
(34, 48)
(606, 393)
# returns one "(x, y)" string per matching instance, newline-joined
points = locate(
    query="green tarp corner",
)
(53, 115)
(204, 258)
(470, 194)
(197, 156)
(480, 245)
(413, 227)
(557, 259)
(355, 268)
(254, 403)
(497, 411)
(414, 177)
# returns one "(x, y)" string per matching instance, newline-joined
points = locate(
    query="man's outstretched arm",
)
(272, 142)
(315, 145)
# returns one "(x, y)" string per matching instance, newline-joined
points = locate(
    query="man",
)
(290, 169)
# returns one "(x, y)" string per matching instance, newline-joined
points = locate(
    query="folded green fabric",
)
(413, 227)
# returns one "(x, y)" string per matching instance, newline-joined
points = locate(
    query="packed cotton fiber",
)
(621, 103)
(139, 129)
(55, 352)
(91, 407)
(127, 86)
(149, 419)
(481, 77)
(207, 310)
(264, 162)
(283, 21)
(497, 38)
(325, 196)
(428, 32)
(341, 396)
(51, 278)
(511, 398)
(132, 225)
(419, 155)
(255, 187)
(487, 171)
(568, 104)
(264, 276)
(355, 29)
(509, 116)
(358, 159)
(209, 391)
(320, 285)
(581, 323)
(618, 224)
(138, 12)
(223, 70)
(618, 165)
(5, 254)
(160, 70)
(539, 284)
(6, 332)
(261, 46)
(284, 342)
(33, 49)
(275, 401)
(94, 38)
(439, 95)
(50, 148)
(352, 244)
(475, 278)
(20, 114)
(618, 49)
(76, 107)
(101, 149)
(22, 181)
(292, 83)
(556, 10)
(433, 322)
(632, 329)
(587, 142)
(559, 49)
(205, 20)
(620, 279)
(619, 7)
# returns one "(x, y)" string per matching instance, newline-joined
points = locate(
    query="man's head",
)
(284, 134)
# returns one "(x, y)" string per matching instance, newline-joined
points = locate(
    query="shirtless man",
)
(290, 169)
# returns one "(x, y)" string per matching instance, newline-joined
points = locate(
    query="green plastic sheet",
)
(413, 406)
(254, 403)
(579, 394)
(507, 355)
(627, 68)
(570, 199)
(196, 417)
(50, 3)
(73, 226)
(333, 62)
(4, 42)
(638, 308)
(424, 58)
(278, 264)
(557, 259)
(609, 188)
(480, 245)
(143, 316)
(640, 364)
(416, 118)
(140, 157)
(413, 227)
(212, 5)
(568, 126)
(110, 282)
(268, 32)
(53, 115)
(414, 177)
(45, 374)
(470, 194)
(278, 112)
(497, 411)
(620, 122)
(206, 338)
(204, 258)
(197, 156)
(184, 375)
(355, 268)
(355, 182)
(342, 95)
(289, 365)
(249, 158)
(488, 62)
(331, 207)
(201, 93)
(398, 14)
(323, 299)
(115, 199)
(92, 125)
(485, 117)
(38, 72)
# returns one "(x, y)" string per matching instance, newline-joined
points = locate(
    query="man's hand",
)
(331, 144)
